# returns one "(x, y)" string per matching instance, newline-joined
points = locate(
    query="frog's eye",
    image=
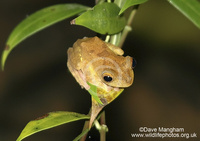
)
(107, 77)
(134, 63)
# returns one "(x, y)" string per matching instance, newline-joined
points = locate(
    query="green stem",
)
(119, 38)
(103, 118)
(107, 38)
(85, 128)
(114, 39)
(103, 129)
(103, 133)
(99, 1)
(82, 136)
(119, 2)
(128, 28)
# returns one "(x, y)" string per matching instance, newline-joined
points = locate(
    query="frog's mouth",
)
(116, 89)
(110, 88)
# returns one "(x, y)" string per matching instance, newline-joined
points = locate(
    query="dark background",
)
(165, 92)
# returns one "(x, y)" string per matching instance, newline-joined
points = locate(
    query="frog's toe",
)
(87, 87)
(116, 89)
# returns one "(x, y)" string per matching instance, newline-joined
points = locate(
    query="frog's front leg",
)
(77, 73)
(115, 49)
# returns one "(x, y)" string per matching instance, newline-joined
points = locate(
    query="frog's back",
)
(95, 47)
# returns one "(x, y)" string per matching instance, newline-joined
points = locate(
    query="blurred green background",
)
(165, 93)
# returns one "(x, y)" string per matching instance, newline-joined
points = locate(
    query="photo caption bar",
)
(163, 132)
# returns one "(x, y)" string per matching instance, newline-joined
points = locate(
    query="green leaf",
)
(128, 3)
(93, 93)
(38, 21)
(50, 120)
(103, 18)
(189, 8)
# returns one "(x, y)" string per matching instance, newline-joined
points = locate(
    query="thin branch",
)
(103, 133)
(128, 28)
(85, 127)
(104, 127)
(102, 130)
(103, 118)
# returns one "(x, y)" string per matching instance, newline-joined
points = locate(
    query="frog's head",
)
(117, 72)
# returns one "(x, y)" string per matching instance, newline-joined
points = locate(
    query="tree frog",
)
(99, 63)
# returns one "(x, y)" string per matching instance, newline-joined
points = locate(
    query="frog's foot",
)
(116, 89)
(79, 76)
(83, 83)
(110, 88)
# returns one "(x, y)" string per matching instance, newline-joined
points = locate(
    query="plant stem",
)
(119, 38)
(119, 2)
(107, 38)
(103, 133)
(98, 126)
(103, 118)
(115, 39)
(128, 28)
(99, 1)
(85, 127)
(103, 129)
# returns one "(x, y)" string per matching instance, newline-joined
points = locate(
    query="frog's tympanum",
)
(101, 64)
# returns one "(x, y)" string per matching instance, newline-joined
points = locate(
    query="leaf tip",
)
(4, 56)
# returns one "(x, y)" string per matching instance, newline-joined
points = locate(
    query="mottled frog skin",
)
(99, 63)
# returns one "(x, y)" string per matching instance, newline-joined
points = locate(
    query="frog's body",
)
(99, 63)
